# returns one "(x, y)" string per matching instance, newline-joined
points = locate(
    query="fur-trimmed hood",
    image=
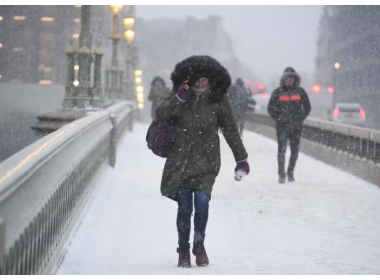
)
(289, 72)
(195, 67)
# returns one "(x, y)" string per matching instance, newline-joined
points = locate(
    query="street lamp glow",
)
(337, 65)
(116, 9)
(138, 73)
(129, 36)
(140, 95)
(140, 100)
(141, 106)
(76, 67)
(139, 89)
(129, 23)
(138, 80)
(76, 83)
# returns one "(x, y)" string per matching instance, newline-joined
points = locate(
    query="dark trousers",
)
(294, 136)
(185, 210)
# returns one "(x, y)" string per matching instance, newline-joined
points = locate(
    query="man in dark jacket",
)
(289, 106)
(198, 107)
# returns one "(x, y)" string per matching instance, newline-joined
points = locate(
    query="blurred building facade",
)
(33, 40)
(162, 43)
(348, 54)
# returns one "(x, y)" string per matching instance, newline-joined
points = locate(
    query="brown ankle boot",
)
(184, 257)
(200, 254)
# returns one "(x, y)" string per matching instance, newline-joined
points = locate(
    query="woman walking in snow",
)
(198, 106)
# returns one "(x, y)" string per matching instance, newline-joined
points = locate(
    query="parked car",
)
(349, 113)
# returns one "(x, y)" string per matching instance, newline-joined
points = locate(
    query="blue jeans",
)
(185, 210)
(294, 136)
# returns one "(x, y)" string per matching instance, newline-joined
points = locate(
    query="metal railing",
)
(353, 149)
(361, 142)
(44, 187)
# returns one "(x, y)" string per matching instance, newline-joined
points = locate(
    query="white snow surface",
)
(327, 222)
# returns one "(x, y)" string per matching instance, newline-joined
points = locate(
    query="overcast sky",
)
(266, 38)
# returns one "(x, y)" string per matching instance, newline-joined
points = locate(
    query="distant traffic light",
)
(331, 90)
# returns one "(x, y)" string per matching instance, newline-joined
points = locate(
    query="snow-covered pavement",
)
(327, 222)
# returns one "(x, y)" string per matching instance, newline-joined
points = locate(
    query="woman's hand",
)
(243, 166)
(182, 92)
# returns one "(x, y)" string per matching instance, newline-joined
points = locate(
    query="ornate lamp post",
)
(115, 36)
(113, 74)
(80, 96)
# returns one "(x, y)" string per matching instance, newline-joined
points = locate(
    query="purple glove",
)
(182, 92)
(243, 166)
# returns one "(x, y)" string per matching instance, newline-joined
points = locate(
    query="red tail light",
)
(261, 87)
(336, 113)
(362, 114)
(265, 95)
(331, 90)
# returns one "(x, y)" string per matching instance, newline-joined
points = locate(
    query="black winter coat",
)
(289, 106)
(194, 160)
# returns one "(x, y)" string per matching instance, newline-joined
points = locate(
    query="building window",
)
(48, 69)
(45, 82)
(45, 56)
(16, 49)
(19, 18)
(1, 18)
(76, 36)
(0, 76)
(77, 20)
(78, 6)
(1, 45)
(48, 19)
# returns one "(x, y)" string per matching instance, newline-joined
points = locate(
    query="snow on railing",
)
(44, 187)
